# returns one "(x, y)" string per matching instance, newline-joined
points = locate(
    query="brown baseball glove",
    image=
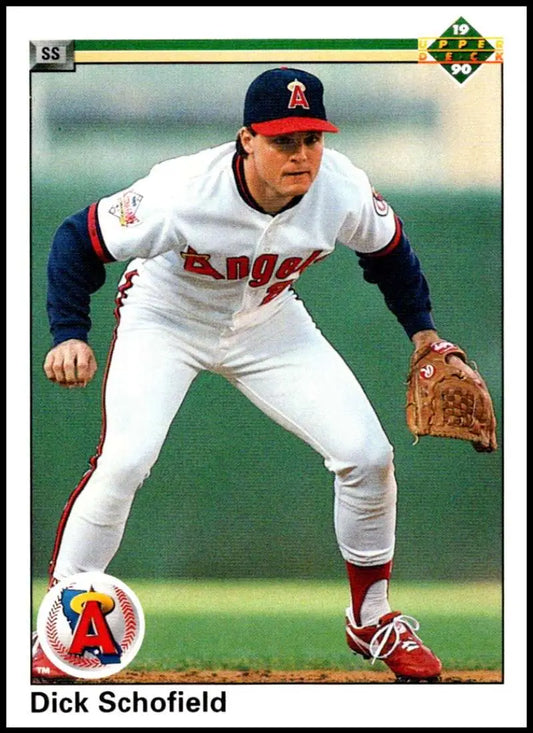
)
(444, 401)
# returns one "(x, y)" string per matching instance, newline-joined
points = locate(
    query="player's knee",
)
(381, 461)
(107, 497)
(124, 473)
(373, 462)
(125, 479)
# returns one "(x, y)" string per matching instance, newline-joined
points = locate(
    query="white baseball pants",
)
(284, 366)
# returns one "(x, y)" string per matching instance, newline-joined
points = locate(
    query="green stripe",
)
(356, 44)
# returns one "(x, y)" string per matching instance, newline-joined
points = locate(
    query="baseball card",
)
(263, 279)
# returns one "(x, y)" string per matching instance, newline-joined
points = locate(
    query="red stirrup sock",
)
(361, 579)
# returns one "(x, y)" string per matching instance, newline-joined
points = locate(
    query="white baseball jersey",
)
(201, 249)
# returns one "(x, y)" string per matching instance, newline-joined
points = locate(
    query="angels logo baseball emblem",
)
(90, 625)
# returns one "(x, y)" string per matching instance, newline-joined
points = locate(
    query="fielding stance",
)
(215, 241)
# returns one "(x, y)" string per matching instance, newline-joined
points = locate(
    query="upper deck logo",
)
(461, 50)
(90, 625)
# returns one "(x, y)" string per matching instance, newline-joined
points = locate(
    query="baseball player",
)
(214, 243)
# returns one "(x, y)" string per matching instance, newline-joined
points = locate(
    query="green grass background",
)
(245, 509)
(233, 494)
(292, 624)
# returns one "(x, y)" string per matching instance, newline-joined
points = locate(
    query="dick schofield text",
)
(109, 701)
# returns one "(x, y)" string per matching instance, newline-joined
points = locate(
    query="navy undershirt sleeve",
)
(74, 273)
(399, 277)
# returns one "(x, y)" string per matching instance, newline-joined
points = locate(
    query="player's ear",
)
(246, 136)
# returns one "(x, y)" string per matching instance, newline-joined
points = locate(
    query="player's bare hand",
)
(70, 364)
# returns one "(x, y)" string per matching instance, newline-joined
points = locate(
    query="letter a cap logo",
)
(285, 100)
(298, 98)
(90, 625)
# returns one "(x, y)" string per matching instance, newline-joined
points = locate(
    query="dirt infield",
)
(319, 676)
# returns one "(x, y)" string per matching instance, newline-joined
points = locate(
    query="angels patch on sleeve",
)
(381, 207)
(125, 208)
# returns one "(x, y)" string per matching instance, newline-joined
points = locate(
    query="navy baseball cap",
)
(286, 100)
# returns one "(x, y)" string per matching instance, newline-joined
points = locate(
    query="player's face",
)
(281, 167)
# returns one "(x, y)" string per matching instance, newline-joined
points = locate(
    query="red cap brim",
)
(293, 124)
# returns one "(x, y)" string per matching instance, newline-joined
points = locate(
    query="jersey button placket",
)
(267, 240)
(247, 297)
(264, 246)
